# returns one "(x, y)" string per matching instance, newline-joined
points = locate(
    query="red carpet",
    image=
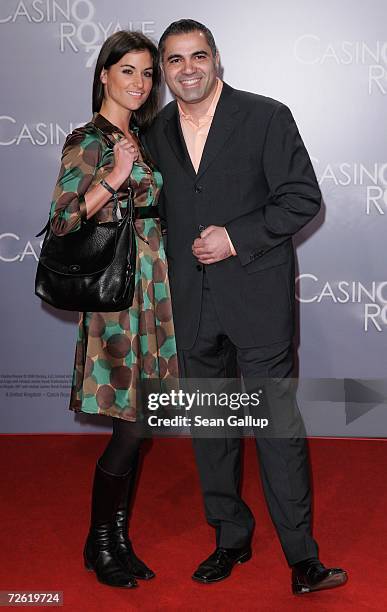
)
(45, 493)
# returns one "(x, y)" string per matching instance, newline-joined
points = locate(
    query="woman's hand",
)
(125, 154)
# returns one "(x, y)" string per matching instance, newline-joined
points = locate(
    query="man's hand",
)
(212, 246)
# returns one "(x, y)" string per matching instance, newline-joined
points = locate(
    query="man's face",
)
(190, 69)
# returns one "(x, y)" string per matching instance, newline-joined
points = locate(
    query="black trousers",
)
(284, 464)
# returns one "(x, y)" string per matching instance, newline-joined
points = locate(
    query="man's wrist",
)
(232, 249)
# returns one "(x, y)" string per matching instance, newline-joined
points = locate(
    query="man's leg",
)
(284, 461)
(218, 459)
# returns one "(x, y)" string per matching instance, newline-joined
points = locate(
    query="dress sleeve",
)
(80, 157)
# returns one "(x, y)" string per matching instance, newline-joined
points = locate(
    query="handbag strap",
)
(43, 231)
(90, 126)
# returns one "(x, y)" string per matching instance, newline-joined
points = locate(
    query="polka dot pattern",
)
(115, 351)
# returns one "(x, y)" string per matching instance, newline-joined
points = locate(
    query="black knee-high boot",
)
(124, 548)
(100, 549)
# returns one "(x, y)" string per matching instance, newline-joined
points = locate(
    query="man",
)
(238, 183)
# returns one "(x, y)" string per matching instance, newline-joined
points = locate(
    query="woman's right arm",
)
(75, 199)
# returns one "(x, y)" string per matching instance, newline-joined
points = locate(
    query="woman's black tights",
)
(121, 453)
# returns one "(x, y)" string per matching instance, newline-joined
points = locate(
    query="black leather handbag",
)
(91, 269)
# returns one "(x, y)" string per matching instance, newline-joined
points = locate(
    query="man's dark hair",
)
(184, 26)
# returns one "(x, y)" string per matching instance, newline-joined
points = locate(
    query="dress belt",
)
(140, 212)
(146, 212)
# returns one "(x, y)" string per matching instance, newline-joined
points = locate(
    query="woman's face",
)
(128, 83)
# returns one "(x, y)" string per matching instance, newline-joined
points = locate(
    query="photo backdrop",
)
(328, 62)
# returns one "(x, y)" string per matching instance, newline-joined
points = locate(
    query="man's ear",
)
(103, 76)
(217, 60)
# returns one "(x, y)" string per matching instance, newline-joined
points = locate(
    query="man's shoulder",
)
(168, 110)
(254, 100)
(164, 114)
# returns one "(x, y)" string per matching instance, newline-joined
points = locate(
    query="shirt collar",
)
(212, 108)
(108, 128)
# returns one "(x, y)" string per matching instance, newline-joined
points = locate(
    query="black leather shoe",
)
(124, 548)
(311, 575)
(219, 565)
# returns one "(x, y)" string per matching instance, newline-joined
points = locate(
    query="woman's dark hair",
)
(112, 50)
(185, 26)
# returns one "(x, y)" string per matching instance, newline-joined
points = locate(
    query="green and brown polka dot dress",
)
(115, 351)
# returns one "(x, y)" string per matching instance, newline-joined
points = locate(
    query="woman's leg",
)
(114, 469)
(121, 454)
(100, 547)
(120, 460)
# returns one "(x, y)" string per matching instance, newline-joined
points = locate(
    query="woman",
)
(115, 351)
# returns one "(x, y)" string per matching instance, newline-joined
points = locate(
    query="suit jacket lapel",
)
(176, 139)
(223, 125)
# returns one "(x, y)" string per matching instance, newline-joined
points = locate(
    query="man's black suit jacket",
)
(256, 179)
